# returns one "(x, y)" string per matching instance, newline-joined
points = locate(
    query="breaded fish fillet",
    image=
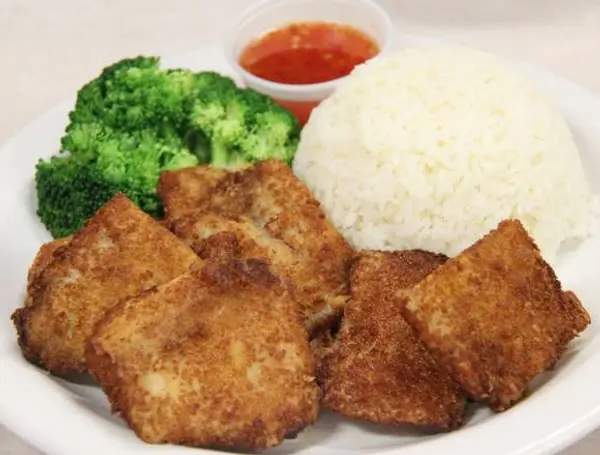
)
(184, 190)
(118, 253)
(217, 357)
(320, 298)
(495, 315)
(42, 259)
(377, 370)
(271, 196)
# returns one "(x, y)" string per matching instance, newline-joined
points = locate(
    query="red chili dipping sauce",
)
(307, 53)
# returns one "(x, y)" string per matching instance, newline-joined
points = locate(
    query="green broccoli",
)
(275, 134)
(91, 98)
(69, 192)
(136, 120)
(139, 157)
(82, 139)
(244, 126)
(135, 96)
(210, 80)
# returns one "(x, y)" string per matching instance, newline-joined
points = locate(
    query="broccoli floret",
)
(212, 81)
(82, 139)
(91, 98)
(244, 126)
(210, 86)
(221, 117)
(69, 192)
(149, 97)
(137, 159)
(275, 134)
(136, 97)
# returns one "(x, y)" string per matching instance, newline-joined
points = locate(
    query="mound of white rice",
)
(431, 148)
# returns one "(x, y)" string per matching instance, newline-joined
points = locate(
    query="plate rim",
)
(38, 433)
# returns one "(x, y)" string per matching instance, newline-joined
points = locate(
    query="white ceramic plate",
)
(63, 418)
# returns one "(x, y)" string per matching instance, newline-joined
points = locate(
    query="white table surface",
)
(50, 48)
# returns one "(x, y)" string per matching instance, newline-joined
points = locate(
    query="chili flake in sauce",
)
(308, 53)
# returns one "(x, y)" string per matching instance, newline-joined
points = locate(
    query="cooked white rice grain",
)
(431, 148)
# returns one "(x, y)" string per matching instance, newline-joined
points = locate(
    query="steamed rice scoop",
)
(432, 148)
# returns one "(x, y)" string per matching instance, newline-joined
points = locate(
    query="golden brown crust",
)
(273, 188)
(214, 358)
(306, 229)
(495, 316)
(576, 313)
(42, 259)
(44, 256)
(320, 299)
(118, 253)
(377, 370)
(185, 190)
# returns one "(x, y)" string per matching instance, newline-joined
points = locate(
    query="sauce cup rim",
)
(296, 91)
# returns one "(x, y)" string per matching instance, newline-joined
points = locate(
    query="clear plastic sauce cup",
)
(267, 16)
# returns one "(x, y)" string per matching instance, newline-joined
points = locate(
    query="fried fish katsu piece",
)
(184, 190)
(319, 298)
(378, 371)
(270, 195)
(42, 259)
(118, 253)
(495, 315)
(215, 358)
